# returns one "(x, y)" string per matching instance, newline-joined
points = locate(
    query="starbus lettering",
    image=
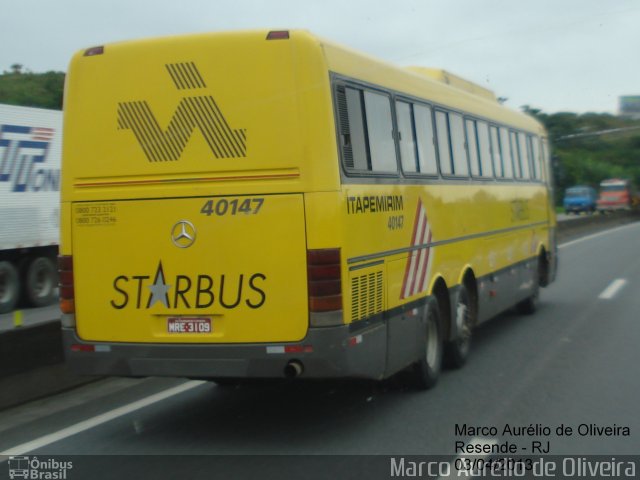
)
(185, 291)
(23, 153)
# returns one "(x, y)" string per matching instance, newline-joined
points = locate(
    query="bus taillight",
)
(67, 292)
(325, 287)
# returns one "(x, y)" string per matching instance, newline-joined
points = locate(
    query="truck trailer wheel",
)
(40, 282)
(9, 286)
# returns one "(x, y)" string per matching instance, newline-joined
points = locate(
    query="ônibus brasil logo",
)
(38, 469)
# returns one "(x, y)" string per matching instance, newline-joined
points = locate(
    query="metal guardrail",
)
(583, 224)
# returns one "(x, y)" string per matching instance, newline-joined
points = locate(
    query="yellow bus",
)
(268, 204)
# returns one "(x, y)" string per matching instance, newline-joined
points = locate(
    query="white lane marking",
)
(599, 234)
(613, 289)
(471, 457)
(100, 419)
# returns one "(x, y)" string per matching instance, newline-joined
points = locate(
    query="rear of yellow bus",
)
(200, 183)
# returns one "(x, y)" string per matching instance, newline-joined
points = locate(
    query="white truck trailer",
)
(30, 151)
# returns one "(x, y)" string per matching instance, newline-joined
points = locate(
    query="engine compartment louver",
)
(366, 295)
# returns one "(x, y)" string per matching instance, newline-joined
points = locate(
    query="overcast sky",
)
(556, 55)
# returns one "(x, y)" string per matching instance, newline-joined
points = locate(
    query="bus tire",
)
(427, 369)
(40, 282)
(529, 305)
(9, 286)
(457, 350)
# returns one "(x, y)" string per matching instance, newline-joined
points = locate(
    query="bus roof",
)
(449, 78)
(433, 85)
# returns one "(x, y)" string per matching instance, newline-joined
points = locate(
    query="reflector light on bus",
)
(90, 52)
(298, 349)
(278, 35)
(325, 304)
(67, 291)
(82, 348)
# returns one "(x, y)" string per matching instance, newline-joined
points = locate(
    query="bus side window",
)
(507, 160)
(535, 144)
(497, 153)
(460, 164)
(472, 147)
(351, 123)
(366, 131)
(406, 131)
(484, 148)
(546, 163)
(524, 155)
(382, 145)
(515, 152)
(444, 148)
(426, 143)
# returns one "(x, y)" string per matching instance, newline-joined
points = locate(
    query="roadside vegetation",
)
(588, 148)
(27, 89)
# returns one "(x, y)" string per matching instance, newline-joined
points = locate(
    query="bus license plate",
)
(188, 325)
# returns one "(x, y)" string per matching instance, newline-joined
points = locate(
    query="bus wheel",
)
(427, 369)
(457, 351)
(9, 286)
(40, 282)
(529, 305)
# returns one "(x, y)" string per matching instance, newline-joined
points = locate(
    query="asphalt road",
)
(574, 363)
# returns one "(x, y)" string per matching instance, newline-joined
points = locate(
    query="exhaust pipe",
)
(293, 369)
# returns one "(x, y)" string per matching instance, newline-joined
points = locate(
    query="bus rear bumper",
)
(330, 352)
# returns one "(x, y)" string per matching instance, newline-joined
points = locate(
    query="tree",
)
(591, 147)
(20, 87)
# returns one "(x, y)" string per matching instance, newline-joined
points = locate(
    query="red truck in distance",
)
(617, 194)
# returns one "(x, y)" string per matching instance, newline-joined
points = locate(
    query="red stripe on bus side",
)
(426, 264)
(410, 257)
(416, 267)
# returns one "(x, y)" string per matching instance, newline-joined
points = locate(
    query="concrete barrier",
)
(25, 348)
(31, 364)
(586, 224)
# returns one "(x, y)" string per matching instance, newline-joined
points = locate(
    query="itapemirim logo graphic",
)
(38, 469)
(199, 112)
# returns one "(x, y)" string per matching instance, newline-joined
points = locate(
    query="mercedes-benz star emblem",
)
(183, 234)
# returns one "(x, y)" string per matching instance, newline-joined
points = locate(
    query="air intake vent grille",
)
(366, 295)
(343, 123)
